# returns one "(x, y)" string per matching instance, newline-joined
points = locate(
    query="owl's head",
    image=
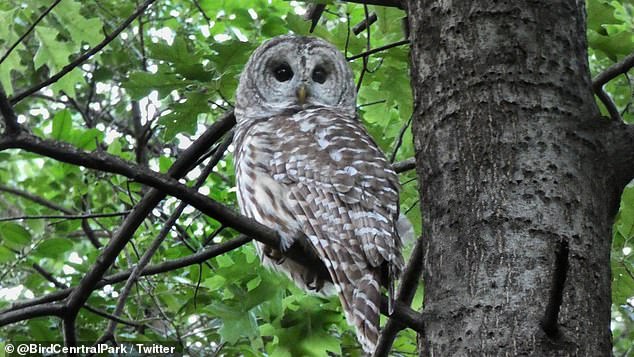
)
(294, 73)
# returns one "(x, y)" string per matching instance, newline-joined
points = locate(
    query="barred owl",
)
(306, 167)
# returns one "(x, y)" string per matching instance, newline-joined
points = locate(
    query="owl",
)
(306, 167)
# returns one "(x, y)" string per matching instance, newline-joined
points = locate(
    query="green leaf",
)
(81, 29)
(321, 344)
(240, 326)
(215, 282)
(62, 125)
(140, 84)
(13, 62)
(165, 163)
(6, 255)
(51, 52)
(54, 247)
(14, 235)
(599, 13)
(615, 45)
(184, 117)
(253, 283)
(87, 139)
(68, 83)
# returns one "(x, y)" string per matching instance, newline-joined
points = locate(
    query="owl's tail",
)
(365, 311)
(360, 298)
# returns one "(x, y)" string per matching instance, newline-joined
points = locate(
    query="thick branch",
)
(405, 165)
(79, 60)
(10, 120)
(617, 139)
(31, 312)
(604, 77)
(609, 104)
(613, 71)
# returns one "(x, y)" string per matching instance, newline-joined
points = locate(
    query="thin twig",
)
(48, 276)
(202, 12)
(367, 47)
(65, 216)
(378, 49)
(399, 142)
(18, 311)
(156, 243)
(28, 31)
(37, 199)
(79, 60)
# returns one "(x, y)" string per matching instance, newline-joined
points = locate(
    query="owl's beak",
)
(302, 93)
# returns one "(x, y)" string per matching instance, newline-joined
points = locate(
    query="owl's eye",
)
(283, 72)
(319, 75)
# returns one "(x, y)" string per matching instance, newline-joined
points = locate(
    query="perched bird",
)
(306, 167)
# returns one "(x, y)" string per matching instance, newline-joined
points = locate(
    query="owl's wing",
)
(344, 194)
(333, 164)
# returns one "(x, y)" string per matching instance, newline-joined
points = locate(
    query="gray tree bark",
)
(520, 178)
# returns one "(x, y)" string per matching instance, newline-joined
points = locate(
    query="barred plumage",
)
(309, 169)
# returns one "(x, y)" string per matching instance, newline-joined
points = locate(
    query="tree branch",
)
(613, 71)
(378, 49)
(388, 3)
(48, 276)
(180, 167)
(31, 312)
(69, 217)
(156, 243)
(404, 165)
(37, 199)
(10, 120)
(604, 77)
(79, 60)
(609, 104)
(208, 253)
(170, 265)
(406, 292)
(358, 28)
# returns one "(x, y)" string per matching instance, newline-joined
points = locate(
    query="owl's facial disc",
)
(292, 72)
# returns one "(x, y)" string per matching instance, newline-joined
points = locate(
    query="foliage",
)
(145, 97)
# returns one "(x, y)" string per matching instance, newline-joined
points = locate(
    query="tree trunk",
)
(516, 199)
